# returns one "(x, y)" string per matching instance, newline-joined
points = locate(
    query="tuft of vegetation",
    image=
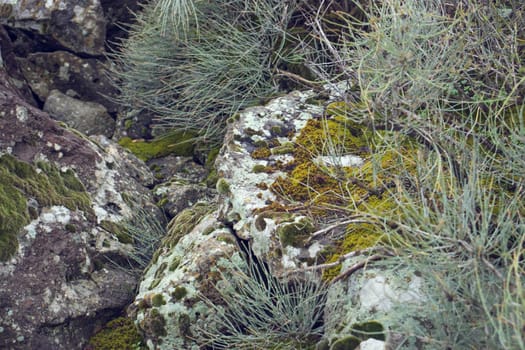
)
(194, 64)
(258, 310)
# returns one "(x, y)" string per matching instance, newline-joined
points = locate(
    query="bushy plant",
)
(257, 310)
(195, 63)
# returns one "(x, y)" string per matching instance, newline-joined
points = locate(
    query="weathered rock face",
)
(63, 197)
(79, 26)
(77, 77)
(89, 118)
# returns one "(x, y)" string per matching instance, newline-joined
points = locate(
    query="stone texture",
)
(168, 303)
(89, 118)
(80, 78)
(76, 25)
(247, 202)
(60, 284)
(9, 62)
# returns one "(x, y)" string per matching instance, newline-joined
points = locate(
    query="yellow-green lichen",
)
(118, 334)
(177, 143)
(46, 184)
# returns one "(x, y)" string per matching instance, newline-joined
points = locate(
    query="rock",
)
(89, 118)
(64, 254)
(9, 62)
(77, 25)
(169, 304)
(81, 78)
(390, 297)
(248, 201)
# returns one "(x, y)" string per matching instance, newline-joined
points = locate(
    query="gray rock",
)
(77, 77)
(60, 277)
(168, 304)
(77, 25)
(89, 118)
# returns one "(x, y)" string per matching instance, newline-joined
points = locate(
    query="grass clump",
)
(258, 310)
(196, 63)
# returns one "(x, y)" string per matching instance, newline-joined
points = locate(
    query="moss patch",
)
(184, 222)
(46, 184)
(177, 143)
(119, 334)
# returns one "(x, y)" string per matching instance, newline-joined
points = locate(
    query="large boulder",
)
(64, 251)
(77, 25)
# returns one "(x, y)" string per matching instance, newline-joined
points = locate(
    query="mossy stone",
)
(46, 184)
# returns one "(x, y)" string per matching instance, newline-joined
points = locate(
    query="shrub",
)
(257, 310)
(195, 63)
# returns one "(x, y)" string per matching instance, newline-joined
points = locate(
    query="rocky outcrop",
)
(64, 267)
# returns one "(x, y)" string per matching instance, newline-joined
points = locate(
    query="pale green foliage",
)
(258, 310)
(195, 63)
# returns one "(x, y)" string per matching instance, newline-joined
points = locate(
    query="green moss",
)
(158, 300)
(222, 186)
(210, 158)
(177, 143)
(285, 148)
(154, 283)
(71, 228)
(179, 293)
(347, 343)
(294, 233)
(46, 184)
(119, 334)
(259, 168)
(118, 230)
(128, 123)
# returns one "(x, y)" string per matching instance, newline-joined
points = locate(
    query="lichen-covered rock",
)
(79, 26)
(89, 118)
(81, 78)
(375, 296)
(259, 142)
(59, 272)
(169, 303)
